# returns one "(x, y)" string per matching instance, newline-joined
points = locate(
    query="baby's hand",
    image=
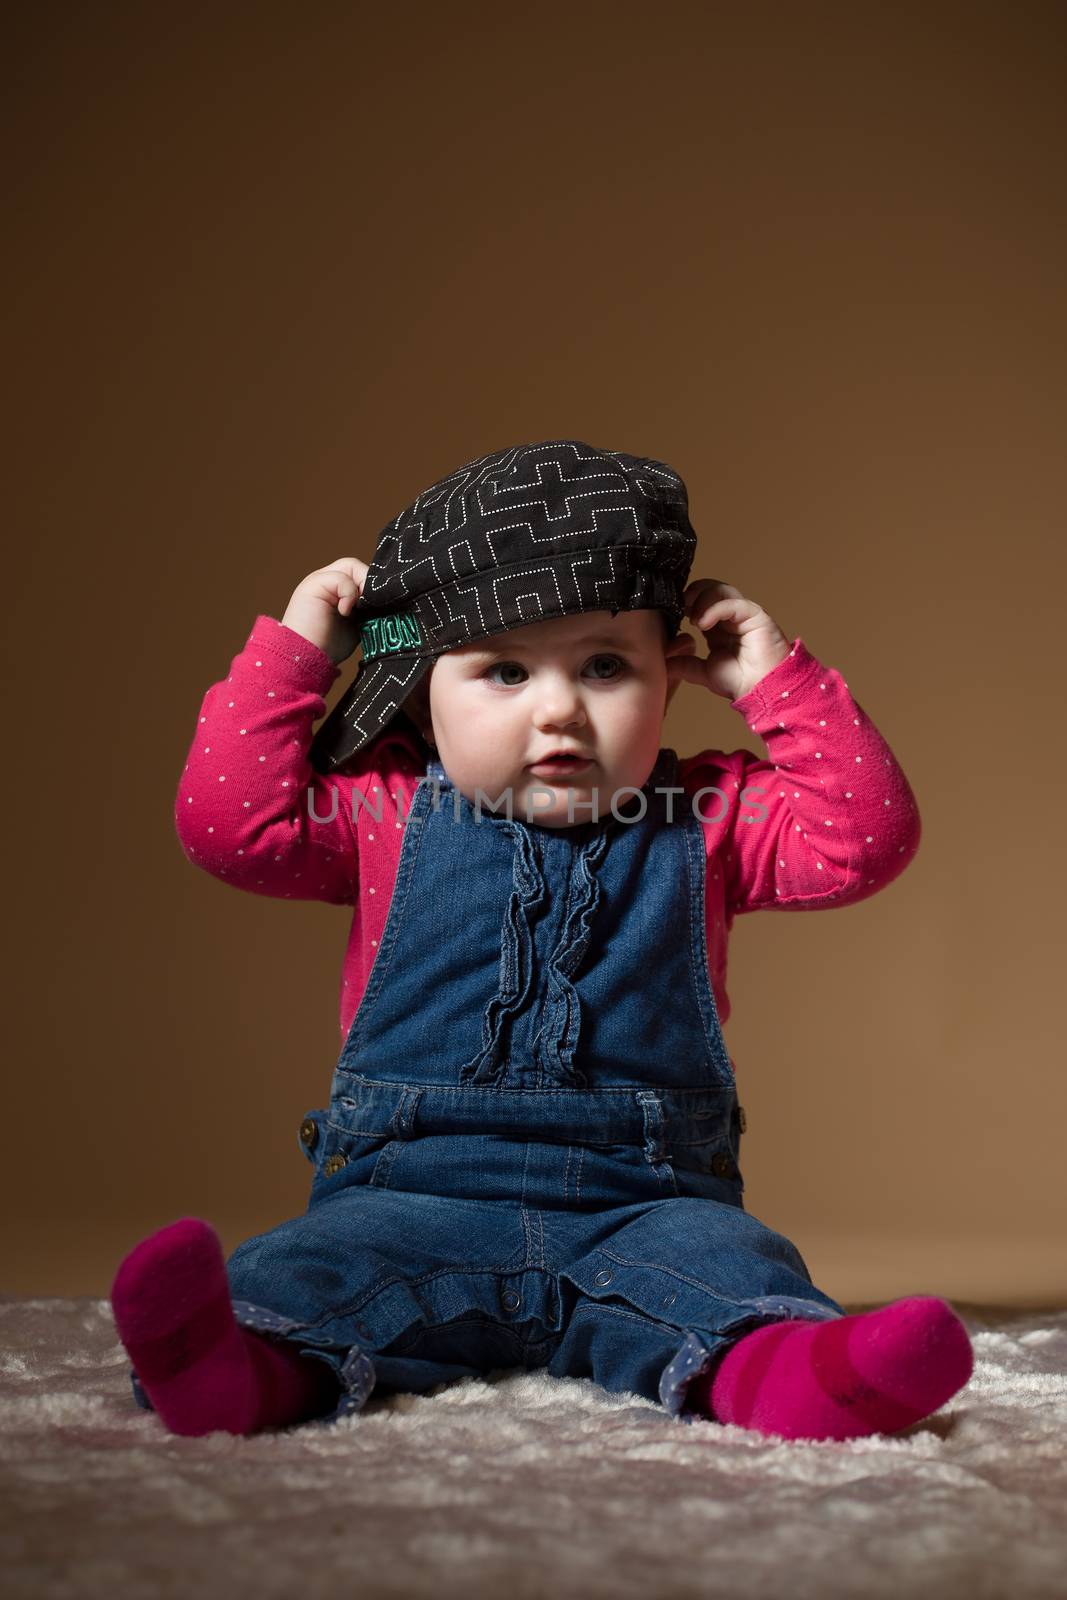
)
(321, 605)
(744, 643)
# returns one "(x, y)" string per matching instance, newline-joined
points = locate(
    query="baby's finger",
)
(336, 588)
(703, 589)
(733, 606)
(353, 566)
(348, 593)
(346, 578)
(692, 590)
(703, 617)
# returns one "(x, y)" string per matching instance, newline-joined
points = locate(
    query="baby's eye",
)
(620, 665)
(502, 666)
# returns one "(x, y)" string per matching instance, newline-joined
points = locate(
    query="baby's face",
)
(588, 681)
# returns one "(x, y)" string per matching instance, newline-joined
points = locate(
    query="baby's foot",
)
(876, 1372)
(171, 1302)
(199, 1368)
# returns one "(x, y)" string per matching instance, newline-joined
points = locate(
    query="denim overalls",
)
(530, 1154)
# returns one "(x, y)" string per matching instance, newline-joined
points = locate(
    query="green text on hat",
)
(382, 636)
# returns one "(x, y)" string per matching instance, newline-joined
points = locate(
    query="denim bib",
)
(539, 1025)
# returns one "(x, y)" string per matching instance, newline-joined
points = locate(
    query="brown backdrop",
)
(271, 271)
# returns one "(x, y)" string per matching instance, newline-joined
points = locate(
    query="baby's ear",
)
(417, 705)
(683, 644)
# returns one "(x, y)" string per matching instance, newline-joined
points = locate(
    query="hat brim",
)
(372, 700)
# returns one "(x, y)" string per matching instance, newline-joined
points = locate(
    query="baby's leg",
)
(201, 1371)
(876, 1372)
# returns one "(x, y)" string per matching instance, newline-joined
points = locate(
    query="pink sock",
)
(876, 1372)
(201, 1371)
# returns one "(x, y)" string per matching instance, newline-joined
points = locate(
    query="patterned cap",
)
(524, 534)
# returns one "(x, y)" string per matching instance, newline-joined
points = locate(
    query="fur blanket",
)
(524, 1486)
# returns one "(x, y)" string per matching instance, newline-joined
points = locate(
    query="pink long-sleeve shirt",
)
(835, 819)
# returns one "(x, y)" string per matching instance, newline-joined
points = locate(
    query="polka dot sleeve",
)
(828, 818)
(250, 808)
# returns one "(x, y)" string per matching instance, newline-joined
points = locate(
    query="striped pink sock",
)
(201, 1371)
(876, 1372)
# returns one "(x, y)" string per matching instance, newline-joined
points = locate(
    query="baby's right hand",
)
(320, 607)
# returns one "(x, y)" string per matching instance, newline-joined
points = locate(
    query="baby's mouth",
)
(558, 766)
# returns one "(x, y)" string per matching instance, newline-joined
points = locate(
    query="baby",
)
(531, 1152)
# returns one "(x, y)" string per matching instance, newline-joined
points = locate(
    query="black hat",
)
(527, 533)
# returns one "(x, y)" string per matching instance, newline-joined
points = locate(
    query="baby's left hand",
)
(744, 643)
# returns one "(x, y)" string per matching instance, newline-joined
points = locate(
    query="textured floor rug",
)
(524, 1486)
